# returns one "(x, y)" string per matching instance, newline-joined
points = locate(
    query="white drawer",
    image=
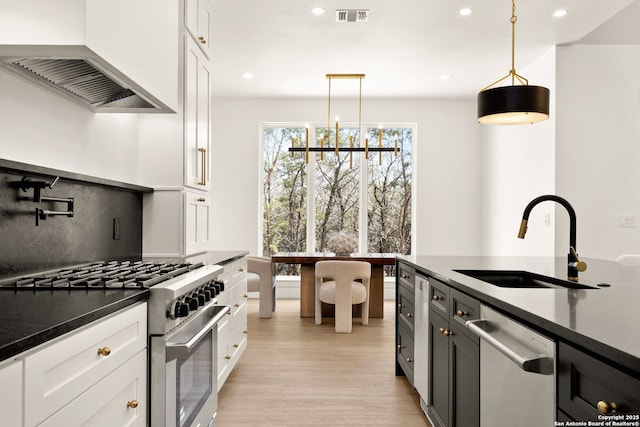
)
(11, 393)
(117, 400)
(58, 373)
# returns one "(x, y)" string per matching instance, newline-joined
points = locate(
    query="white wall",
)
(598, 151)
(448, 170)
(519, 166)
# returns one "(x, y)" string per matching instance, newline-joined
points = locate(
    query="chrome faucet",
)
(574, 265)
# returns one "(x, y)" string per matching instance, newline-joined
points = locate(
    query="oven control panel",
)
(176, 301)
(194, 300)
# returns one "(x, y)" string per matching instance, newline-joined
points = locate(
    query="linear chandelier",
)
(514, 104)
(337, 148)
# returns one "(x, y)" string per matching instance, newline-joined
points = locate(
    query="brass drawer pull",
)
(409, 315)
(104, 351)
(236, 345)
(436, 298)
(409, 359)
(607, 407)
(461, 313)
(133, 404)
(203, 156)
(202, 40)
(227, 357)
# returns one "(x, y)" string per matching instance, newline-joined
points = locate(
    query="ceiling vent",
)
(352, 15)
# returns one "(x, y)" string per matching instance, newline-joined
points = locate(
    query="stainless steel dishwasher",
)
(517, 373)
(421, 340)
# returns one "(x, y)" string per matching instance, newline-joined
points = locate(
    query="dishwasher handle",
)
(537, 364)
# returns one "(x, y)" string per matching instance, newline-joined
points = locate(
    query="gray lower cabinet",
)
(405, 320)
(588, 387)
(454, 362)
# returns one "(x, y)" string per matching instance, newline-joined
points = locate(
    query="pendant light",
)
(517, 103)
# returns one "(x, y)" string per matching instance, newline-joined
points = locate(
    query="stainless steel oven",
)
(183, 317)
(183, 372)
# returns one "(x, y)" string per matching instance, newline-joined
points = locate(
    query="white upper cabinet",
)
(198, 23)
(197, 117)
(134, 42)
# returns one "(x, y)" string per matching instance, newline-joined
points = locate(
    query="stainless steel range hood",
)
(86, 80)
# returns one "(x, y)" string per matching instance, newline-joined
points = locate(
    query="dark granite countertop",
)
(602, 321)
(29, 318)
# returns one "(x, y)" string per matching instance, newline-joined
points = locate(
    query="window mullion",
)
(311, 191)
(364, 184)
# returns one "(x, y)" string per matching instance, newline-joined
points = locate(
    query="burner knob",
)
(221, 284)
(192, 302)
(200, 298)
(214, 289)
(179, 309)
(207, 295)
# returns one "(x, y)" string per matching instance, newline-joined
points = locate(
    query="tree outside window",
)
(369, 198)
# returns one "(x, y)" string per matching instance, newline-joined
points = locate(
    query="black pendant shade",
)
(514, 104)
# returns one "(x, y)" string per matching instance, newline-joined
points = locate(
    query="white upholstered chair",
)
(629, 259)
(342, 283)
(261, 277)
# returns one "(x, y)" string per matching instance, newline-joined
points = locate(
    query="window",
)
(345, 192)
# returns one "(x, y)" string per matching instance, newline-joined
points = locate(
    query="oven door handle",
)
(538, 364)
(175, 350)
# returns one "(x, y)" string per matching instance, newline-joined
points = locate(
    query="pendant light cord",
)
(513, 20)
(512, 72)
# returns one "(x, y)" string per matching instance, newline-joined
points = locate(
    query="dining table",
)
(307, 261)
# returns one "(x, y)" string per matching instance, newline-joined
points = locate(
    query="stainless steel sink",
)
(521, 279)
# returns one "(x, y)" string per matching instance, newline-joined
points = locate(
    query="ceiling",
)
(403, 49)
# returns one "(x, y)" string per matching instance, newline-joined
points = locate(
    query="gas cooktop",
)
(101, 275)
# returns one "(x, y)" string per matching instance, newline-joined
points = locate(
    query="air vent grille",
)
(77, 77)
(352, 15)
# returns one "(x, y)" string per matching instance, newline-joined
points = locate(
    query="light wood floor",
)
(294, 373)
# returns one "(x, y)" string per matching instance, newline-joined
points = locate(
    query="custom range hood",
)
(82, 77)
(116, 56)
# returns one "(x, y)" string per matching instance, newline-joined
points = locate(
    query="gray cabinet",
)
(588, 387)
(405, 320)
(454, 362)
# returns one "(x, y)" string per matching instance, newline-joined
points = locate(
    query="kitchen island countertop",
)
(603, 320)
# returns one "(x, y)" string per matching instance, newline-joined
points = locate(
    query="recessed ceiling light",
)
(560, 13)
(247, 76)
(465, 11)
(317, 10)
(445, 76)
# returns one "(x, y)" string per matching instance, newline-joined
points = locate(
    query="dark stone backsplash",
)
(60, 240)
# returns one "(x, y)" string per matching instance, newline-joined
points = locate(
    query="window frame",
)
(363, 198)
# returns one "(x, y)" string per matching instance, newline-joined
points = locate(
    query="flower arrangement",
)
(342, 243)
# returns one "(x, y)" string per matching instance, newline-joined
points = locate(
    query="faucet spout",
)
(574, 264)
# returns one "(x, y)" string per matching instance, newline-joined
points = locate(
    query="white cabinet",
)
(177, 154)
(198, 23)
(197, 227)
(11, 396)
(117, 400)
(232, 331)
(197, 116)
(97, 371)
(176, 223)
